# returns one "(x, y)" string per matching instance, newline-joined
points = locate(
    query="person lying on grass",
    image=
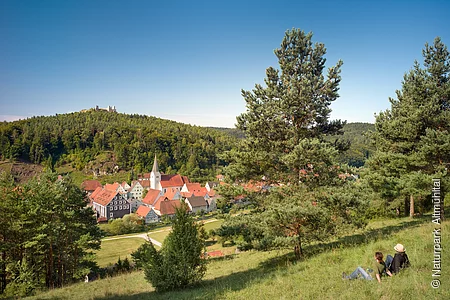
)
(379, 270)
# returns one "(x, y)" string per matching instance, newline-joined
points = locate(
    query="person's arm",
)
(388, 272)
(378, 277)
(407, 263)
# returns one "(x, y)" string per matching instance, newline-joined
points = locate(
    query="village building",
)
(109, 204)
(211, 185)
(89, 186)
(135, 193)
(197, 204)
(147, 214)
(163, 182)
(191, 187)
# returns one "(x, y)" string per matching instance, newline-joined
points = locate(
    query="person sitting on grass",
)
(399, 261)
(379, 270)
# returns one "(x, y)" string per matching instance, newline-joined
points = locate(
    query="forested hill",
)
(360, 147)
(131, 141)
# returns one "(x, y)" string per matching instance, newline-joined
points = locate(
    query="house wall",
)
(136, 192)
(151, 217)
(198, 209)
(212, 205)
(118, 207)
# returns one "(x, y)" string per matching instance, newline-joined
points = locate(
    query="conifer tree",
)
(180, 262)
(285, 126)
(293, 108)
(412, 138)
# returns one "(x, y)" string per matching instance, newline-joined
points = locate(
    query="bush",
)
(128, 224)
(179, 263)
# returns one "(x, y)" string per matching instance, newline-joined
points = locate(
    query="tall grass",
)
(275, 275)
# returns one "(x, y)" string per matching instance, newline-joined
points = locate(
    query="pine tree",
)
(412, 138)
(285, 126)
(180, 262)
(292, 109)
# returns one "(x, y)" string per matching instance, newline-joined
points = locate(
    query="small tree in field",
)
(179, 263)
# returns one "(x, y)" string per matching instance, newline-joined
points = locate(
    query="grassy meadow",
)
(123, 245)
(113, 249)
(275, 275)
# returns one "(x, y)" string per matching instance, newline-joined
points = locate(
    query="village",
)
(153, 196)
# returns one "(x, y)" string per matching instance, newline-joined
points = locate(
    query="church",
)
(157, 181)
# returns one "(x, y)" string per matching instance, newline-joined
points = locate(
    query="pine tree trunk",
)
(298, 250)
(406, 207)
(3, 272)
(411, 206)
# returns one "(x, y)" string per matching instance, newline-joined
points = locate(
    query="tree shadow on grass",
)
(214, 288)
(365, 237)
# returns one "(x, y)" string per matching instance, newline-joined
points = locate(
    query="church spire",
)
(155, 166)
(155, 176)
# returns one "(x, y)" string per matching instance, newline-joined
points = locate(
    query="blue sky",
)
(188, 60)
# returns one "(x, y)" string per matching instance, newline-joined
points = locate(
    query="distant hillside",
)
(102, 143)
(20, 171)
(102, 140)
(234, 132)
(360, 147)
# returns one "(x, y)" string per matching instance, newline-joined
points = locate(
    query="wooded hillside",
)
(78, 138)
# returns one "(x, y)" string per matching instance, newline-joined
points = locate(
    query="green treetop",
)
(412, 138)
(291, 107)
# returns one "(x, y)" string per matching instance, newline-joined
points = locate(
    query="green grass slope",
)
(274, 275)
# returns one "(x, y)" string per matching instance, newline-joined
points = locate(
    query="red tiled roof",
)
(211, 193)
(202, 192)
(144, 175)
(112, 187)
(157, 203)
(95, 192)
(172, 181)
(124, 184)
(145, 183)
(90, 185)
(170, 193)
(187, 194)
(215, 253)
(151, 197)
(143, 211)
(193, 186)
(169, 207)
(104, 197)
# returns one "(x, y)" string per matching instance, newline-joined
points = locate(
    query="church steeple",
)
(155, 176)
(155, 166)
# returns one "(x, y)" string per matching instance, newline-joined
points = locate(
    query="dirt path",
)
(145, 235)
(142, 235)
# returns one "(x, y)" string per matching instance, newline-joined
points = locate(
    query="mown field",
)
(275, 275)
(122, 246)
(112, 250)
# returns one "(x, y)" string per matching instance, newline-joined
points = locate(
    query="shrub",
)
(179, 263)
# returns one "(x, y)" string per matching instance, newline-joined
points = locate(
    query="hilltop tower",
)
(155, 176)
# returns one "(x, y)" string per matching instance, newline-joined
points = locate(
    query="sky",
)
(188, 60)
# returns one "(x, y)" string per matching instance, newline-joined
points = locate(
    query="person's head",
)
(379, 256)
(399, 248)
